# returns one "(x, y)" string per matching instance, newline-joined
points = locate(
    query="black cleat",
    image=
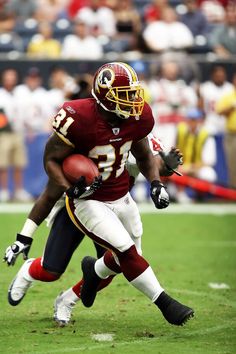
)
(173, 311)
(91, 281)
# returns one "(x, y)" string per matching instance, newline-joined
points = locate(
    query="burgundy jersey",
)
(80, 124)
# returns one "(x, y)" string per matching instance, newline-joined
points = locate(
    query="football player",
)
(105, 128)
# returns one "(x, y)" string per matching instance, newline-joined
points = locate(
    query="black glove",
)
(172, 158)
(80, 188)
(159, 195)
(21, 245)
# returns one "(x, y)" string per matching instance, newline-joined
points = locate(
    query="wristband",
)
(24, 239)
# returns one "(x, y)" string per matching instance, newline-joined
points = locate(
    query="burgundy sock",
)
(77, 287)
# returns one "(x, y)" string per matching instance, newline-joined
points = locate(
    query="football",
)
(77, 165)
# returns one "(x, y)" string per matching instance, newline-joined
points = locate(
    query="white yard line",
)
(214, 209)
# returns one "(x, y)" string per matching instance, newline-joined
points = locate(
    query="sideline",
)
(207, 208)
(214, 209)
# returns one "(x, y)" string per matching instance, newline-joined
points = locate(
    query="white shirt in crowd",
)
(9, 105)
(103, 18)
(34, 109)
(210, 94)
(161, 36)
(74, 47)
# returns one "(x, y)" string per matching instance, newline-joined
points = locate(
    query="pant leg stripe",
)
(70, 207)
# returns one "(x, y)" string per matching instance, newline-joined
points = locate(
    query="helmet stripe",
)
(130, 71)
(133, 72)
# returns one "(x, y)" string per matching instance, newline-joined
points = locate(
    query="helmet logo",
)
(106, 78)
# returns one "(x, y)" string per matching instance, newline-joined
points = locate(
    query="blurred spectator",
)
(188, 67)
(171, 98)
(33, 105)
(7, 21)
(98, 17)
(127, 17)
(62, 87)
(210, 91)
(9, 40)
(223, 37)
(142, 70)
(43, 45)
(74, 6)
(51, 10)
(196, 21)
(199, 151)
(22, 9)
(13, 153)
(213, 10)
(3, 4)
(153, 11)
(168, 33)
(83, 89)
(223, 3)
(226, 106)
(128, 25)
(81, 44)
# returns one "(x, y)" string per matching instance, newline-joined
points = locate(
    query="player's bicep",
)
(56, 150)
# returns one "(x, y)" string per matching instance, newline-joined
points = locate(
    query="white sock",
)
(26, 273)
(102, 270)
(70, 295)
(148, 284)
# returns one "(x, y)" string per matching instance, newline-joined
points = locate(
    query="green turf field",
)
(186, 251)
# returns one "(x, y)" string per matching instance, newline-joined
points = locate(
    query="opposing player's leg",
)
(65, 301)
(63, 239)
(105, 227)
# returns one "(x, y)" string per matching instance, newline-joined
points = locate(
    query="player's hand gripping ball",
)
(83, 174)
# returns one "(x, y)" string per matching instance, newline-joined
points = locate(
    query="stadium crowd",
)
(87, 29)
(97, 29)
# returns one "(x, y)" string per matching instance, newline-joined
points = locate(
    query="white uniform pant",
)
(115, 225)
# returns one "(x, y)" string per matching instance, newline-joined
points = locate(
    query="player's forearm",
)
(145, 160)
(149, 168)
(163, 169)
(56, 176)
(45, 203)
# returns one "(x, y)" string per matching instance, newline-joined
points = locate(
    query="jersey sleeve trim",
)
(64, 139)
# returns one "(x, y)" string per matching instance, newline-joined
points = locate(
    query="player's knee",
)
(39, 271)
(130, 254)
(132, 264)
(50, 275)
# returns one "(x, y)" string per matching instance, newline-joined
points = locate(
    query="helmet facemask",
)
(128, 100)
(116, 89)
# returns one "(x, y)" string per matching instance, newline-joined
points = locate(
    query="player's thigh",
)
(100, 223)
(128, 212)
(63, 239)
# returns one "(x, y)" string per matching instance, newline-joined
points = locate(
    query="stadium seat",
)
(26, 30)
(10, 42)
(62, 28)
